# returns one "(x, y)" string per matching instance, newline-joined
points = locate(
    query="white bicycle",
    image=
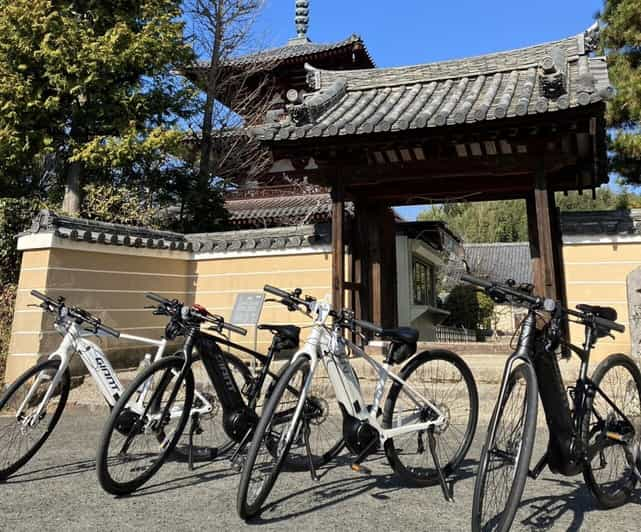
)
(32, 405)
(428, 420)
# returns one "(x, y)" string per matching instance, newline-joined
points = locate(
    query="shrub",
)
(15, 216)
(468, 308)
(7, 301)
(117, 204)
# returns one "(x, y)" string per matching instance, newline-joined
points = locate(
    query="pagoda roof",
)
(535, 80)
(300, 50)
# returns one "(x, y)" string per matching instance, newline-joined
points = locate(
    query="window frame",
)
(428, 282)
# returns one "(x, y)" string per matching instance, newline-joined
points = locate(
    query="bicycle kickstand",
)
(192, 429)
(447, 492)
(539, 467)
(312, 469)
(236, 464)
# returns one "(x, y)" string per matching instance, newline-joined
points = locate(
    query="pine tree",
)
(621, 41)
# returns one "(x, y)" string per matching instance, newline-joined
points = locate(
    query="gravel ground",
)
(58, 490)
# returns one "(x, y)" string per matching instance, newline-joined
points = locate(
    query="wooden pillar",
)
(361, 262)
(338, 246)
(542, 238)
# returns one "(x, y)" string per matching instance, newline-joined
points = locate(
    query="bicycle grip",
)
(235, 328)
(156, 298)
(109, 330)
(475, 280)
(607, 324)
(276, 291)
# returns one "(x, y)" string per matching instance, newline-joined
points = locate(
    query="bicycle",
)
(29, 410)
(146, 422)
(596, 434)
(412, 424)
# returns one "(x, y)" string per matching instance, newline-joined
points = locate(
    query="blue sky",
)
(418, 31)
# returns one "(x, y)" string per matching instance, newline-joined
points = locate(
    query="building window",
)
(423, 283)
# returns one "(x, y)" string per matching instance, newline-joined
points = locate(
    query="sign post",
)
(246, 311)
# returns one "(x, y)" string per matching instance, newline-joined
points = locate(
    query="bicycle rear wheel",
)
(505, 457)
(144, 426)
(444, 379)
(612, 441)
(21, 436)
(269, 447)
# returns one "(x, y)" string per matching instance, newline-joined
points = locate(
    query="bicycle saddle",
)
(405, 335)
(289, 334)
(607, 313)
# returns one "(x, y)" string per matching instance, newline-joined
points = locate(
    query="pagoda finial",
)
(302, 18)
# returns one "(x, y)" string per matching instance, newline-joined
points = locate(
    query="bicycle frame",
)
(566, 424)
(330, 347)
(74, 340)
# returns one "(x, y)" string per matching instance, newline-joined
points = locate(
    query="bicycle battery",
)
(557, 412)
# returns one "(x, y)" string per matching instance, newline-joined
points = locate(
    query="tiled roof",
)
(528, 81)
(300, 50)
(300, 236)
(102, 233)
(619, 222)
(495, 261)
(500, 261)
(94, 232)
(281, 210)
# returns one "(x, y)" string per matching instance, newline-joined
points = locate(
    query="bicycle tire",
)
(419, 476)
(267, 424)
(6, 402)
(117, 417)
(504, 512)
(323, 452)
(606, 498)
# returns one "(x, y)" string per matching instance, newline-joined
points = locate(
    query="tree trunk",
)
(71, 201)
(212, 81)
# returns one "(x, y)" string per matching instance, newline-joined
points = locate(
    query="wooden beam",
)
(338, 245)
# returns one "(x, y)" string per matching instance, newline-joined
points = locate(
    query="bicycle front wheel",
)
(22, 430)
(611, 427)
(505, 457)
(144, 426)
(269, 447)
(444, 379)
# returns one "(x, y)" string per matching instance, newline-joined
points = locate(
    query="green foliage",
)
(494, 221)
(117, 204)
(92, 82)
(506, 220)
(15, 216)
(7, 302)
(621, 40)
(469, 308)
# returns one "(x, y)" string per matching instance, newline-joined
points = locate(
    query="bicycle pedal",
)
(359, 468)
(237, 464)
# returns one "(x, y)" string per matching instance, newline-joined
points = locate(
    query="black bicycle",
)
(593, 425)
(148, 420)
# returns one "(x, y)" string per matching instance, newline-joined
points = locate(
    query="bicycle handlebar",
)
(234, 328)
(534, 300)
(599, 321)
(488, 285)
(276, 291)
(76, 313)
(369, 326)
(291, 299)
